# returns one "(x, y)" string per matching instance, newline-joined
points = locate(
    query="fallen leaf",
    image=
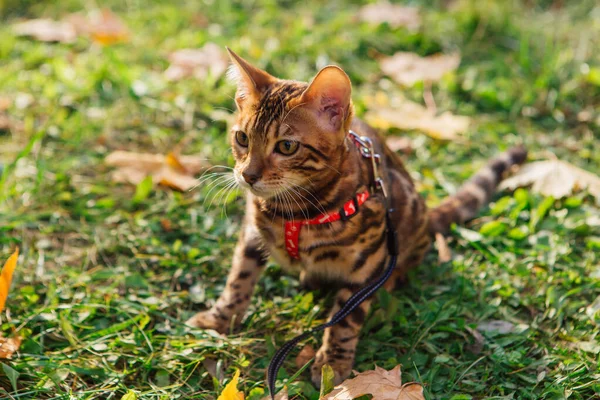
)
(410, 68)
(554, 178)
(477, 346)
(199, 63)
(46, 30)
(173, 171)
(393, 14)
(380, 384)
(102, 26)
(444, 252)
(305, 355)
(107, 28)
(401, 144)
(9, 346)
(409, 115)
(282, 395)
(502, 327)
(6, 277)
(231, 392)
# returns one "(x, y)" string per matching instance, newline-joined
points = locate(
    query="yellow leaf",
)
(6, 277)
(230, 392)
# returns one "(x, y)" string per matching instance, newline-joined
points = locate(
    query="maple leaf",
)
(380, 384)
(409, 115)
(231, 392)
(554, 178)
(171, 170)
(410, 68)
(199, 63)
(6, 277)
(46, 30)
(394, 14)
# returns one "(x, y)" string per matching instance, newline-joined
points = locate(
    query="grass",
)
(104, 282)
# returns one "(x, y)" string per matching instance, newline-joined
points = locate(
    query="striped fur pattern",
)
(322, 173)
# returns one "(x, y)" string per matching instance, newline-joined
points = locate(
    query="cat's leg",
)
(248, 261)
(339, 341)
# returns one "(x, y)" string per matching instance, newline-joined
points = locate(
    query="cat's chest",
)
(329, 250)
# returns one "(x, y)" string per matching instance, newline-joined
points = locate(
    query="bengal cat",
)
(295, 160)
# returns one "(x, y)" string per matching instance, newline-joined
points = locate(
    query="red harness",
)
(292, 228)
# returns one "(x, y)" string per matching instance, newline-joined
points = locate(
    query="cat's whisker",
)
(225, 187)
(213, 185)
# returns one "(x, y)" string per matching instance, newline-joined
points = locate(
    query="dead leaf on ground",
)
(171, 170)
(410, 68)
(46, 30)
(554, 178)
(199, 63)
(408, 115)
(105, 27)
(102, 26)
(381, 384)
(394, 14)
(502, 327)
(9, 346)
(305, 355)
(444, 252)
(399, 143)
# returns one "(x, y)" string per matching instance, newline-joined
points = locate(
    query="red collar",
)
(292, 228)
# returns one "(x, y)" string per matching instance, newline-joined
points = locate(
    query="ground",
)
(104, 282)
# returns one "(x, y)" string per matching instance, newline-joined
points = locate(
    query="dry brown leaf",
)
(444, 252)
(107, 28)
(410, 68)
(554, 178)
(394, 14)
(408, 115)
(305, 355)
(46, 30)
(174, 171)
(9, 346)
(381, 384)
(199, 63)
(103, 27)
(402, 144)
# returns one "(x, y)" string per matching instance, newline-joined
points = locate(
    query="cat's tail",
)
(475, 193)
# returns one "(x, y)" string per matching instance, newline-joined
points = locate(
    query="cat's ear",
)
(251, 81)
(329, 96)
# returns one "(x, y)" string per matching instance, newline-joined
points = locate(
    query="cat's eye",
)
(241, 138)
(286, 147)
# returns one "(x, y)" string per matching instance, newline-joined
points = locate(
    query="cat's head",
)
(288, 134)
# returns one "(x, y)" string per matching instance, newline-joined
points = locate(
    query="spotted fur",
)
(325, 171)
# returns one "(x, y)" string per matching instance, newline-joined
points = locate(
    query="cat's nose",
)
(250, 178)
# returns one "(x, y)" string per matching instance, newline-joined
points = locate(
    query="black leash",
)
(353, 302)
(367, 151)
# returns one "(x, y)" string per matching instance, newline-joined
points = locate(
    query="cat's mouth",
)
(258, 189)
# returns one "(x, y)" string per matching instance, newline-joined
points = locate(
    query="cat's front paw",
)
(342, 368)
(208, 320)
